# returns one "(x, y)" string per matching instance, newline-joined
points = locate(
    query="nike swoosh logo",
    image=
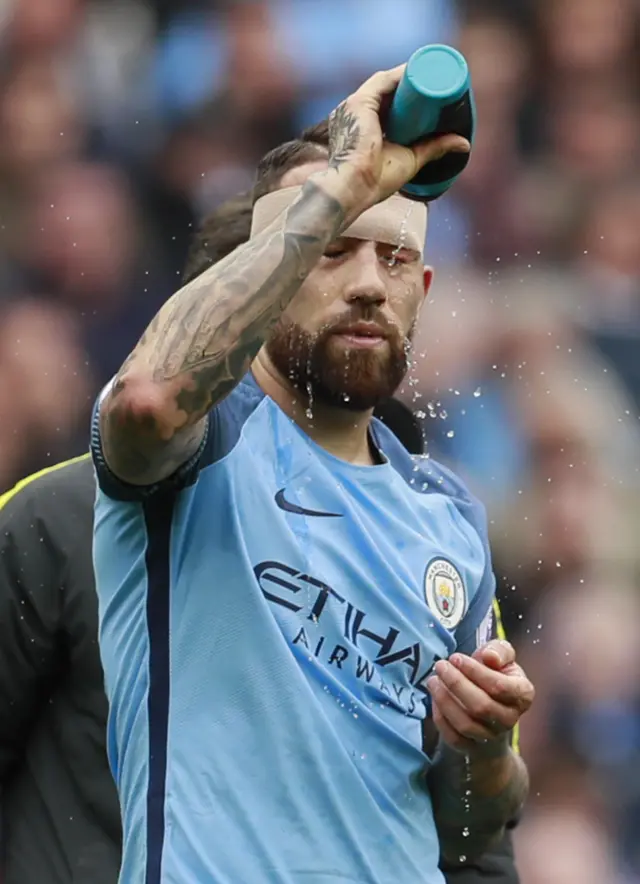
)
(284, 504)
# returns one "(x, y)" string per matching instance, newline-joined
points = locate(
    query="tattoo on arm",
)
(203, 340)
(474, 800)
(344, 135)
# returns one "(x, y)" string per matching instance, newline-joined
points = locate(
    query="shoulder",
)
(441, 480)
(228, 419)
(240, 404)
(435, 478)
(426, 476)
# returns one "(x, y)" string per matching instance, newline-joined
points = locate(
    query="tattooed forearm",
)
(204, 339)
(473, 800)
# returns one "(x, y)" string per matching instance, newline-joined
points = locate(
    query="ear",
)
(428, 279)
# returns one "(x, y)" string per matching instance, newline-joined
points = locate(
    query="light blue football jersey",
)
(268, 619)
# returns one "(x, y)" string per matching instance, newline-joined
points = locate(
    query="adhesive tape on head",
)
(397, 221)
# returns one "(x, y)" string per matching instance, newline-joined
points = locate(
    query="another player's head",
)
(345, 338)
(222, 231)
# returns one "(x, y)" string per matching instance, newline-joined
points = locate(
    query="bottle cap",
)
(439, 72)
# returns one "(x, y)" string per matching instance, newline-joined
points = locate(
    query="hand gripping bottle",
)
(434, 97)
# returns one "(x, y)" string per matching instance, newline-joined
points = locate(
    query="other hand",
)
(478, 700)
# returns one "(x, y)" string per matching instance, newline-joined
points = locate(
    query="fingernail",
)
(431, 682)
(493, 653)
(441, 667)
(456, 660)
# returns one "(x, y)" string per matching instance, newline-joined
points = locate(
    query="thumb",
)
(491, 658)
(496, 654)
(432, 149)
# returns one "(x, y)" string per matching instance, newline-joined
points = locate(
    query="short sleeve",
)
(117, 489)
(223, 428)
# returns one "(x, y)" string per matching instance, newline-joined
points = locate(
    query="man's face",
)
(345, 338)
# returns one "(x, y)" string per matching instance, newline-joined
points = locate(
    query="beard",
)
(326, 372)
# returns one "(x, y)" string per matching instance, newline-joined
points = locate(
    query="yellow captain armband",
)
(501, 634)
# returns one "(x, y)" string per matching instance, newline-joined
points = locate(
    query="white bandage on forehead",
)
(397, 221)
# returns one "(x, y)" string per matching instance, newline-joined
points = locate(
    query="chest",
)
(365, 578)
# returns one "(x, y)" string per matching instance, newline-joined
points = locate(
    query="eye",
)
(334, 253)
(392, 256)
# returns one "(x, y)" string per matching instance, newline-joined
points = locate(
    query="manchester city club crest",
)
(445, 593)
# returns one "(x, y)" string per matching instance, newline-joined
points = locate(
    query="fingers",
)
(497, 653)
(433, 149)
(380, 84)
(479, 699)
(456, 716)
(479, 705)
(449, 734)
(401, 164)
(511, 688)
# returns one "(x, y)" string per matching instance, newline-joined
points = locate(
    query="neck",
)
(341, 432)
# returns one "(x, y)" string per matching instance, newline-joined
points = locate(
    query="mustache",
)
(349, 319)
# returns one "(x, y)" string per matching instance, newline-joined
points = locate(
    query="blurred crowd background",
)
(123, 122)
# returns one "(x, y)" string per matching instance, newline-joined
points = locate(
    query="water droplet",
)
(309, 410)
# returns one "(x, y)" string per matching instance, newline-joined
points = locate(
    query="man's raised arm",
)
(203, 340)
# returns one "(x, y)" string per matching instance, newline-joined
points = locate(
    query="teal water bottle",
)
(434, 98)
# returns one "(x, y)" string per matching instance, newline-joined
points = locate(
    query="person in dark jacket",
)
(61, 821)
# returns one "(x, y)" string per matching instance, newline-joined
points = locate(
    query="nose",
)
(366, 282)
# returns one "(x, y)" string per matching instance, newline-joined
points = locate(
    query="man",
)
(290, 607)
(61, 811)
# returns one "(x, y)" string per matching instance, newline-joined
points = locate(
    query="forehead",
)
(397, 222)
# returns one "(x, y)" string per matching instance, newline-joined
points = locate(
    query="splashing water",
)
(347, 356)
(309, 411)
(466, 798)
(393, 260)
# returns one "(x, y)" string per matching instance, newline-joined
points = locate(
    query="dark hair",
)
(229, 226)
(312, 145)
(226, 228)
